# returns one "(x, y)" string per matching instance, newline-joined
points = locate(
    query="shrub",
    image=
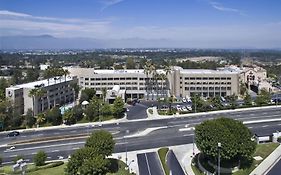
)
(40, 158)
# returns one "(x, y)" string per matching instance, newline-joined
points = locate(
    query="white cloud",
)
(69, 27)
(220, 7)
(108, 3)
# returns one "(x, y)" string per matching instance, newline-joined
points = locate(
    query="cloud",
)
(220, 7)
(66, 27)
(108, 3)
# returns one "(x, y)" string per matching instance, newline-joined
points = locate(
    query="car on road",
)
(12, 147)
(13, 134)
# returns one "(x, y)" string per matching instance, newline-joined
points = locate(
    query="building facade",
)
(178, 82)
(55, 92)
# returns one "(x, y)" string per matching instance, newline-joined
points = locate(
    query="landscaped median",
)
(262, 151)
(162, 152)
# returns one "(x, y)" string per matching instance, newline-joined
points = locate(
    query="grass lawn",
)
(162, 152)
(117, 168)
(262, 150)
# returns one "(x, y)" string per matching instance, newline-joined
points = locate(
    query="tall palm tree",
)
(147, 73)
(103, 90)
(154, 74)
(167, 70)
(40, 94)
(32, 93)
(65, 73)
(163, 77)
(40, 119)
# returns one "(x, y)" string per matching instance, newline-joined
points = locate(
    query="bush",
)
(40, 158)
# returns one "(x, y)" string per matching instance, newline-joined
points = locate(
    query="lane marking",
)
(147, 164)
(73, 131)
(13, 155)
(188, 135)
(264, 126)
(49, 157)
(55, 151)
(47, 146)
(186, 129)
(75, 148)
(33, 153)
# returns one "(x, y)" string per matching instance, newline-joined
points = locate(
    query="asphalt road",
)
(173, 131)
(149, 164)
(276, 169)
(173, 164)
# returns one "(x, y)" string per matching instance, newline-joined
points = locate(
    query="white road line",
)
(33, 153)
(250, 127)
(186, 129)
(4, 163)
(73, 131)
(147, 164)
(56, 133)
(49, 157)
(264, 126)
(13, 155)
(55, 151)
(23, 136)
(75, 148)
(47, 146)
(188, 135)
(279, 124)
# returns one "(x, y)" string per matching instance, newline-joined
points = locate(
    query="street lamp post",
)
(193, 142)
(126, 147)
(219, 147)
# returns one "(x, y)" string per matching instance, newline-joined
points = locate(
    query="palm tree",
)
(167, 70)
(40, 119)
(103, 90)
(75, 87)
(32, 93)
(65, 73)
(147, 73)
(162, 77)
(40, 93)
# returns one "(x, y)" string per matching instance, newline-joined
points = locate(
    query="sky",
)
(220, 23)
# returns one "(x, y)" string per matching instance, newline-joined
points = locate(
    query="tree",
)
(243, 88)
(77, 112)
(3, 85)
(54, 116)
(232, 100)
(101, 142)
(40, 158)
(92, 110)
(234, 137)
(118, 107)
(105, 109)
(41, 118)
(263, 98)
(78, 158)
(97, 165)
(69, 117)
(1, 160)
(29, 119)
(103, 90)
(87, 94)
(32, 75)
(248, 100)
(216, 101)
(130, 63)
(197, 103)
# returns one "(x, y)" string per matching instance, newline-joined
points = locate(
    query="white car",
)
(189, 108)
(184, 100)
(12, 147)
(60, 157)
(184, 108)
(179, 108)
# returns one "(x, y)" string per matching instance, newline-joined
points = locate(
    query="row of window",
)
(206, 82)
(206, 88)
(206, 78)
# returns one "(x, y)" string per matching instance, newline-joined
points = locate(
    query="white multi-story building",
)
(178, 82)
(56, 91)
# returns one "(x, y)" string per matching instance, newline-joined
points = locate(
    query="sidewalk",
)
(268, 163)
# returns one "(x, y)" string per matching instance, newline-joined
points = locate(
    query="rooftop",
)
(42, 83)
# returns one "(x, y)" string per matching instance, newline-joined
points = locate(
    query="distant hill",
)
(50, 42)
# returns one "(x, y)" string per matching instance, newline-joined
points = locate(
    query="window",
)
(116, 78)
(186, 88)
(98, 79)
(103, 79)
(192, 78)
(198, 78)
(205, 78)
(229, 88)
(228, 78)
(211, 78)
(198, 88)
(129, 78)
(93, 79)
(110, 78)
(217, 78)
(122, 78)
(135, 78)
(86, 79)
(223, 78)
(186, 78)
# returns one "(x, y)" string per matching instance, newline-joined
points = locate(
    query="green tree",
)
(248, 100)
(263, 98)
(97, 165)
(232, 100)
(31, 75)
(197, 103)
(54, 116)
(29, 119)
(105, 109)
(41, 118)
(40, 158)
(234, 137)
(92, 110)
(243, 88)
(87, 94)
(101, 142)
(130, 63)
(103, 90)
(69, 117)
(216, 101)
(77, 159)
(118, 107)
(3, 85)
(18, 157)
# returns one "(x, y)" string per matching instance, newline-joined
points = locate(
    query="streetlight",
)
(219, 147)
(127, 132)
(193, 142)
(128, 166)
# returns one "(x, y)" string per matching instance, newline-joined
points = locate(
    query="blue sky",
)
(223, 23)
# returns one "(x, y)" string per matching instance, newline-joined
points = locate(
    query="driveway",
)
(149, 164)
(173, 164)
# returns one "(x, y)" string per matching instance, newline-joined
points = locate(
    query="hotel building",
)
(57, 92)
(179, 83)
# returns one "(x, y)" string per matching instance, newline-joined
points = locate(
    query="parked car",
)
(12, 147)
(179, 108)
(13, 134)
(184, 108)
(189, 108)
(184, 100)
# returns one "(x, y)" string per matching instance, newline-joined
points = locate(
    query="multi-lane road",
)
(143, 134)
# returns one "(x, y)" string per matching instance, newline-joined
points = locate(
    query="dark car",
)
(13, 134)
